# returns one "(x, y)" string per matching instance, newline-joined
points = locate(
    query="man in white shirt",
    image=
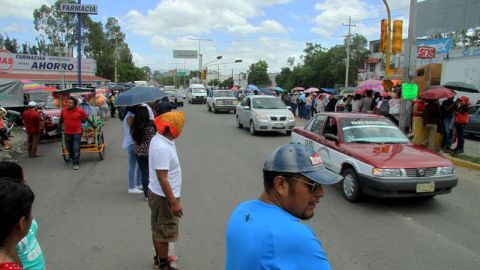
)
(165, 177)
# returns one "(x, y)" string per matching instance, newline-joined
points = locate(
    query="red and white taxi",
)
(375, 157)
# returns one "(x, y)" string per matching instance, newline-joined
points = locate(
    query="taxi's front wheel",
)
(350, 187)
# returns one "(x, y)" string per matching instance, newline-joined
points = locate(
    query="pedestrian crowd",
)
(435, 125)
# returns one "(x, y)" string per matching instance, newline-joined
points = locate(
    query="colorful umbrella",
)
(370, 83)
(438, 92)
(311, 90)
(30, 85)
(252, 87)
(278, 89)
(234, 88)
(461, 86)
(298, 88)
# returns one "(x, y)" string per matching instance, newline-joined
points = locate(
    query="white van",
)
(197, 93)
(140, 83)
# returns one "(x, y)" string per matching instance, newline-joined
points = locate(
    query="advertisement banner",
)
(27, 62)
(441, 45)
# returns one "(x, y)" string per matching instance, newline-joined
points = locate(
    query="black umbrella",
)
(461, 86)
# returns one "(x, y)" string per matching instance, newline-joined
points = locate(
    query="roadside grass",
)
(467, 158)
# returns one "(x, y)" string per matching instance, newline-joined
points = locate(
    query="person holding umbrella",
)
(431, 120)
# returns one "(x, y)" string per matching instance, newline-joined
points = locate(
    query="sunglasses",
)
(314, 186)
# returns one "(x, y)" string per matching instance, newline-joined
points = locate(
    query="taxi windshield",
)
(371, 131)
(268, 103)
(199, 90)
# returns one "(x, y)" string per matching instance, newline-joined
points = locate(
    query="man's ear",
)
(281, 186)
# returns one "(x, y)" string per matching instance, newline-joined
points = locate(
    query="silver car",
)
(264, 113)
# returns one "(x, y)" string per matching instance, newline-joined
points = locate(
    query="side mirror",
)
(246, 108)
(331, 137)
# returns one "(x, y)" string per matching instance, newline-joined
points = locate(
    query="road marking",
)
(448, 242)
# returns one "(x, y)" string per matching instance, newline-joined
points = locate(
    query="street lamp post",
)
(199, 54)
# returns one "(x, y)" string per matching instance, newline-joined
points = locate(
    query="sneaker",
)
(134, 191)
(139, 187)
(75, 167)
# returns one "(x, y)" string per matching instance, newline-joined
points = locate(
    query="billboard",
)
(441, 45)
(190, 54)
(443, 16)
(28, 62)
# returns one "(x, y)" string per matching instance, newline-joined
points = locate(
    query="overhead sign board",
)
(424, 52)
(78, 8)
(409, 91)
(29, 62)
(189, 54)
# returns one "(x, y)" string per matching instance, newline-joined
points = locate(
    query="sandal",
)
(156, 262)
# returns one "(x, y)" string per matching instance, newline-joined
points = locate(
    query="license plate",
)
(426, 187)
(52, 133)
(278, 125)
(228, 102)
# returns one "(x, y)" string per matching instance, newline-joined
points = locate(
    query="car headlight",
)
(387, 172)
(261, 117)
(290, 117)
(446, 170)
(55, 120)
(219, 102)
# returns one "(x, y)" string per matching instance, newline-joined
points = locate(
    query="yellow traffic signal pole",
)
(389, 40)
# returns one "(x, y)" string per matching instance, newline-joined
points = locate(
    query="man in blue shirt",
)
(266, 233)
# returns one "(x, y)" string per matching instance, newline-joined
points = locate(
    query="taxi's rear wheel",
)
(350, 187)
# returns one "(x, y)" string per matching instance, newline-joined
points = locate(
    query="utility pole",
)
(199, 47)
(79, 47)
(115, 52)
(349, 25)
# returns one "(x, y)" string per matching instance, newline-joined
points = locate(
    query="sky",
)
(250, 30)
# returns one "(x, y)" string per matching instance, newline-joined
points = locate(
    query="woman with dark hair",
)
(357, 103)
(366, 102)
(142, 131)
(134, 174)
(28, 249)
(16, 201)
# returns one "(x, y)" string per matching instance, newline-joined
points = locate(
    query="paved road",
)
(88, 221)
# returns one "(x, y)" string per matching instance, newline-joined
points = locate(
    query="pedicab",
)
(92, 139)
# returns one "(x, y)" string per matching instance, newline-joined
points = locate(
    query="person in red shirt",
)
(71, 118)
(32, 120)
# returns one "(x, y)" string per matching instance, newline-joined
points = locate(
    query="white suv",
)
(221, 100)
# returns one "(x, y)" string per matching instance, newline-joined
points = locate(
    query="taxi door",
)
(330, 145)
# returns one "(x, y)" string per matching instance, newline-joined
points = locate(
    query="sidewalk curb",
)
(464, 163)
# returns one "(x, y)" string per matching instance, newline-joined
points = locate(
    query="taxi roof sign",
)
(409, 91)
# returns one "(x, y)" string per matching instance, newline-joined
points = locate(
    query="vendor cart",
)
(92, 139)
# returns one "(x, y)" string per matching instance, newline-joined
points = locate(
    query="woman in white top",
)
(134, 179)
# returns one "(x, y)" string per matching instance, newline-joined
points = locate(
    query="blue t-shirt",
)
(264, 236)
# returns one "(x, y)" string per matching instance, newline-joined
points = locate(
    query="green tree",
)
(283, 77)
(227, 83)
(215, 82)
(10, 44)
(258, 74)
(59, 28)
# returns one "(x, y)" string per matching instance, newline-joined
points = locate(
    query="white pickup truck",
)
(221, 100)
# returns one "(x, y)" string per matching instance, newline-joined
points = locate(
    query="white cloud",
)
(202, 16)
(333, 13)
(22, 9)
(15, 28)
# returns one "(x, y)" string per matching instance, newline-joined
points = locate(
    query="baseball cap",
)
(297, 158)
(32, 104)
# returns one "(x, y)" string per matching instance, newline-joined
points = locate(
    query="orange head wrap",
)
(173, 120)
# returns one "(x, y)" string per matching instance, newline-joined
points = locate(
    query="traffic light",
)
(383, 35)
(203, 74)
(397, 36)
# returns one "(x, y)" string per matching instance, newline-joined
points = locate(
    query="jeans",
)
(293, 108)
(447, 133)
(143, 166)
(460, 137)
(132, 167)
(308, 111)
(33, 140)
(72, 142)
